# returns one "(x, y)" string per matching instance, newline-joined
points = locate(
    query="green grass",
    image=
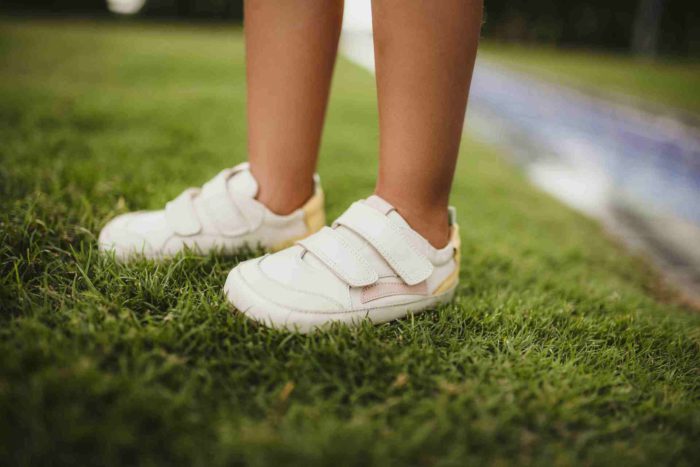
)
(559, 349)
(671, 83)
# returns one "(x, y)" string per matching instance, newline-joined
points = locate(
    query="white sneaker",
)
(222, 215)
(369, 265)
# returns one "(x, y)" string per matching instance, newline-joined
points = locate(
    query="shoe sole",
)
(270, 314)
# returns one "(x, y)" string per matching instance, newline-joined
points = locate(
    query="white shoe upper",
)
(370, 264)
(222, 215)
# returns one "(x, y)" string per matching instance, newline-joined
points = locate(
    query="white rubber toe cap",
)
(267, 301)
(127, 235)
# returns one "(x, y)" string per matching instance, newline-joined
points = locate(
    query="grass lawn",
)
(559, 348)
(672, 83)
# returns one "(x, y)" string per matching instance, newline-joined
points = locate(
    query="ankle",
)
(284, 199)
(434, 228)
(431, 222)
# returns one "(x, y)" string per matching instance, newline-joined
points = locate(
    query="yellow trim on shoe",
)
(451, 280)
(314, 213)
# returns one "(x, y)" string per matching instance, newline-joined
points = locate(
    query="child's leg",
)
(291, 47)
(425, 53)
(375, 262)
(290, 51)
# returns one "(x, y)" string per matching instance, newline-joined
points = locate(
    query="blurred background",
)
(597, 101)
(644, 27)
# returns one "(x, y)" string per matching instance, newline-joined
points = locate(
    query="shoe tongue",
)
(393, 215)
(244, 183)
(388, 210)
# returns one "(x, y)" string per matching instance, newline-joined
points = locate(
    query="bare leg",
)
(425, 53)
(290, 50)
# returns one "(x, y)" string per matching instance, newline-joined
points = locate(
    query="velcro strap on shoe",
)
(341, 257)
(388, 239)
(181, 216)
(220, 207)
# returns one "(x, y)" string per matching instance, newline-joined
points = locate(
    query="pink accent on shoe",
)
(386, 289)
